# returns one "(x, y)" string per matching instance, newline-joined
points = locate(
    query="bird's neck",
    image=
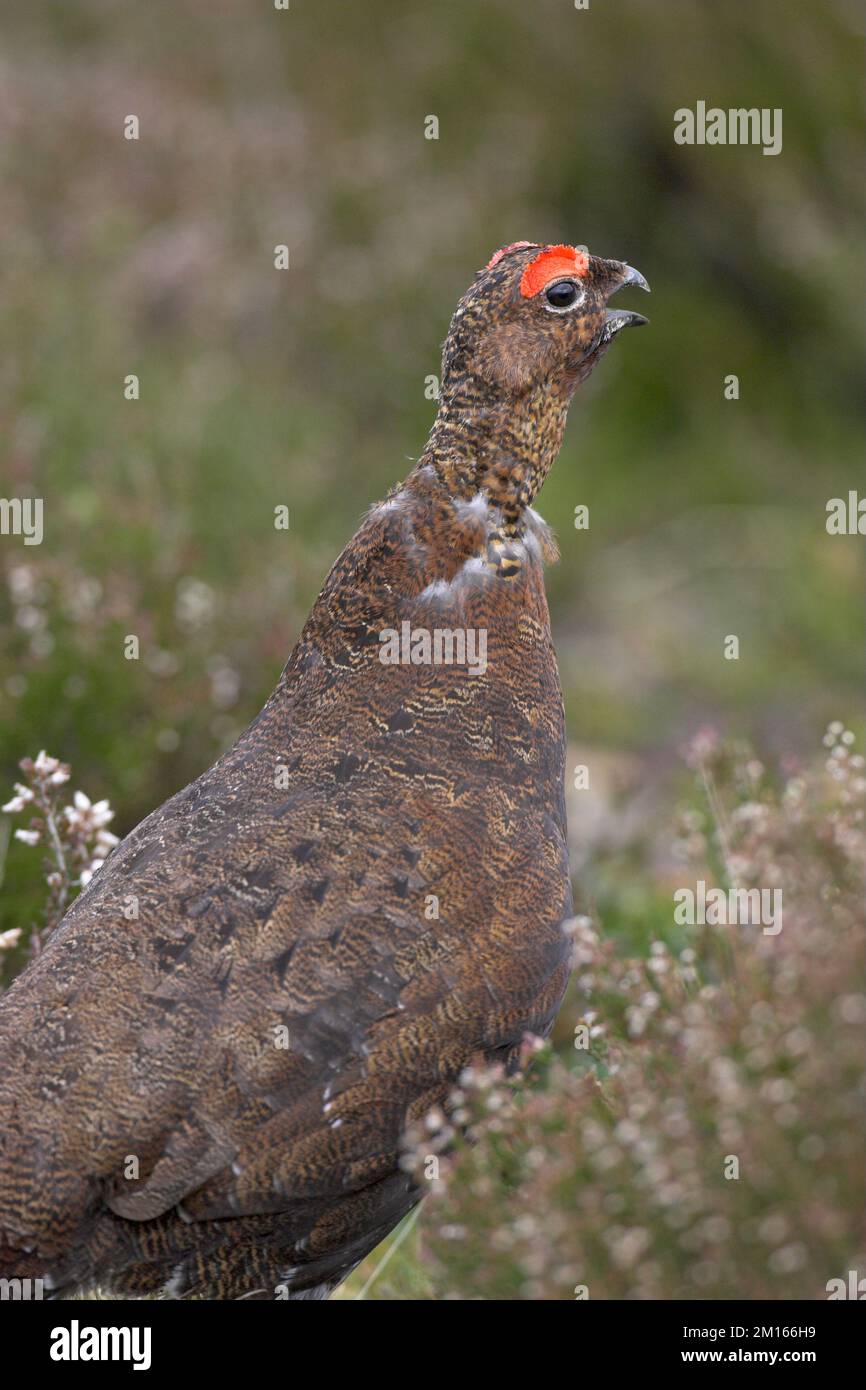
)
(503, 444)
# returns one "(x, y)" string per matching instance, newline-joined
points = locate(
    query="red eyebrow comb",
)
(554, 262)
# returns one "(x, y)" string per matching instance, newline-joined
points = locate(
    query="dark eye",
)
(561, 295)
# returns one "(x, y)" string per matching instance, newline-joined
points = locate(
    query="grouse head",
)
(537, 315)
(530, 328)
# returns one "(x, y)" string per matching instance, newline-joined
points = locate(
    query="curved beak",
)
(622, 275)
(630, 276)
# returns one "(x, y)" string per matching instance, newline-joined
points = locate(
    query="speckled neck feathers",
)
(502, 444)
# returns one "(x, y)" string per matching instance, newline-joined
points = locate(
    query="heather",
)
(700, 1133)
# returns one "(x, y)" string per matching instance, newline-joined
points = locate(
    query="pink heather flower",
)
(702, 746)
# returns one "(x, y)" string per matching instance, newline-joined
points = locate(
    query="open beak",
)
(616, 319)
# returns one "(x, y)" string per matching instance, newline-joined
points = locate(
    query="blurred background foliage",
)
(307, 387)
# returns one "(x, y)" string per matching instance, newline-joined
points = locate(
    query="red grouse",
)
(363, 896)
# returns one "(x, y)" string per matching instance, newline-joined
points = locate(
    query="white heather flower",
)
(225, 683)
(87, 815)
(29, 618)
(788, 1259)
(195, 603)
(28, 837)
(739, 867)
(773, 1228)
(778, 1090)
(9, 939)
(87, 874)
(22, 584)
(626, 1132)
(44, 765)
(702, 748)
(22, 796)
(627, 1246)
(852, 1008)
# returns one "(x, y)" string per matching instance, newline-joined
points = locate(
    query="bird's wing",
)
(257, 1032)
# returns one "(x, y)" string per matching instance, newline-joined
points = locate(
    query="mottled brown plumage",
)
(379, 865)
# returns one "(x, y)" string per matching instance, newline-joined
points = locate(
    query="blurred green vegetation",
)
(306, 388)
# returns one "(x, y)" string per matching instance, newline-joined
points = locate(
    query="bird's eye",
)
(562, 295)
